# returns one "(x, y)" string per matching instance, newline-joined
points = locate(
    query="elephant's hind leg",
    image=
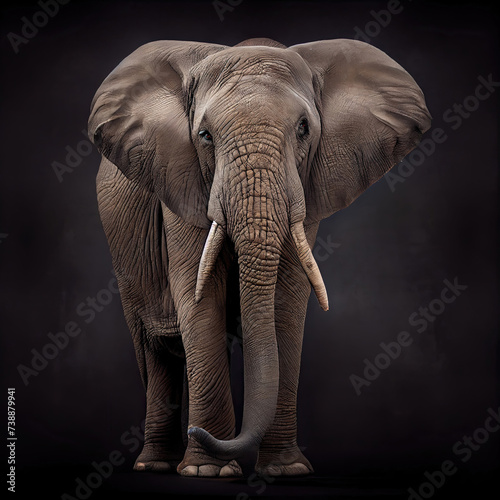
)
(163, 446)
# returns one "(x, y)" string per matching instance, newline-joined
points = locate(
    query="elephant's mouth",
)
(213, 245)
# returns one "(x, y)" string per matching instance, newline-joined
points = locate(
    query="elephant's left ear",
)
(373, 114)
(139, 122)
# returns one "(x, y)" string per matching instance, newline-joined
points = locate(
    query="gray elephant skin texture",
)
(218, 164)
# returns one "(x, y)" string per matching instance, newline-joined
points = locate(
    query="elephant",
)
(218, 164)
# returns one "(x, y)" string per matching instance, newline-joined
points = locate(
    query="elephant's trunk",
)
(256, 219)
(258, 265)
(254, 204)
(261, 367)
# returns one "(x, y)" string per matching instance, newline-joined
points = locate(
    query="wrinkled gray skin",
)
(259, 142)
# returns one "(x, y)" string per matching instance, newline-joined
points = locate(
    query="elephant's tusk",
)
(309, 263)
(210, 253)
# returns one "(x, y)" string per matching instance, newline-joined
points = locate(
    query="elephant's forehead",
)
(249, 63)
(252, 105)
(252, 93)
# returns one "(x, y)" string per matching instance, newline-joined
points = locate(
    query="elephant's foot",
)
(284, 462)
(197, 463)
(230, 469)
(156, 459)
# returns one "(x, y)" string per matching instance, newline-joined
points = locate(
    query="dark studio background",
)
(392, 251)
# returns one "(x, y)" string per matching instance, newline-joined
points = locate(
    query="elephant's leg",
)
(161, 363)
(279, 454)
(163, 447)
(133, 223)
(203, 328)
(210, 401)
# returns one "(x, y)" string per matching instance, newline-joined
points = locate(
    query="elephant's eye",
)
(303, 128)
(205, 135)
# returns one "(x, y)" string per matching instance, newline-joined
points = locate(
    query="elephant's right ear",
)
(138, 121)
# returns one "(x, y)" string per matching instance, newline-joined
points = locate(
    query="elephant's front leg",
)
(279, 454)
(210, 400)
(203, 328)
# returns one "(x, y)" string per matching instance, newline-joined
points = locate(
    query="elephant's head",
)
(257, 141)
